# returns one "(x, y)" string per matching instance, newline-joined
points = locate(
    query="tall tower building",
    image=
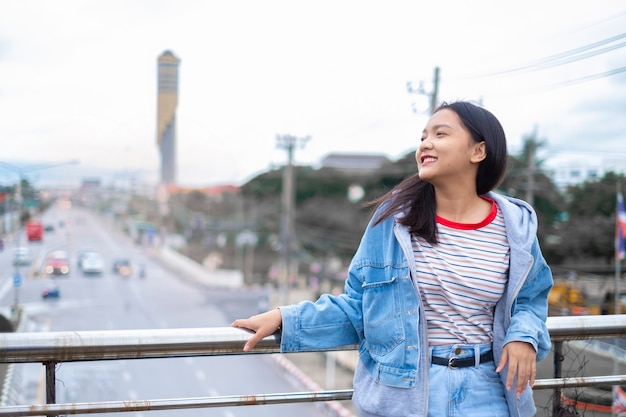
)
(166, 114)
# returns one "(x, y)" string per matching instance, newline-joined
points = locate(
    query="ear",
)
(479, 153)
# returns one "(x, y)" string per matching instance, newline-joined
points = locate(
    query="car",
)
(92, 263)
(51, 291)
(82, 255)
(122, 266)
(21, 256)
(57, 263)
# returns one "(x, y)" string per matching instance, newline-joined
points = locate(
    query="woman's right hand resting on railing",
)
(264, 324)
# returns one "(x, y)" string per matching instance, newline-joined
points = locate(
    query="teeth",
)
(429, 159)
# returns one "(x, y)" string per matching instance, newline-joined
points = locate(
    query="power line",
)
(587, 78)
(561, 84)
(567, 57)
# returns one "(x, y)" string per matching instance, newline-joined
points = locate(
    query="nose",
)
(425, 144)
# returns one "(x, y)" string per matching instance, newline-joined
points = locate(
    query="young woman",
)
(447, 293)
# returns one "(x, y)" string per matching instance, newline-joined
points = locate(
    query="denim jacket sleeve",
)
(338, 320)
(332, 321)
(530, 308)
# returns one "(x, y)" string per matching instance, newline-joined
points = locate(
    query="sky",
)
(78, 81)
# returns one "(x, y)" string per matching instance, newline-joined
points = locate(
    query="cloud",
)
(78, 79)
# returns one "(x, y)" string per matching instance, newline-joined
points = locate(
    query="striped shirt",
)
(462, 277)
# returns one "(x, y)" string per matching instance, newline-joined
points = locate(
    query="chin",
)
(424, 175)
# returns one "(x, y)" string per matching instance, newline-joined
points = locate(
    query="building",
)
(90, 191)
(166, 114)
(576, 173)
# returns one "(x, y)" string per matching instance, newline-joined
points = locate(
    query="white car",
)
(21, 256)
(92, 263)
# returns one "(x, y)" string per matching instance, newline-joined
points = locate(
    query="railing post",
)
(558, 360)
(51, 390)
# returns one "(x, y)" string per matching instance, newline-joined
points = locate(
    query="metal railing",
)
(51, 348)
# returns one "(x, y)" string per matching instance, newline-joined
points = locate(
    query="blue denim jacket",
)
(381, 311)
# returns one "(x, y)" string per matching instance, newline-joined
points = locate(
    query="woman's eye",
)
(422, 139)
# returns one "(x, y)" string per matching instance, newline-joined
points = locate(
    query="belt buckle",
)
(450, 364)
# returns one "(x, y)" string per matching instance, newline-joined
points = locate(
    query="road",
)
(160, 300)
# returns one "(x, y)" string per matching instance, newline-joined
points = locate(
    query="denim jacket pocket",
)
(382, 315)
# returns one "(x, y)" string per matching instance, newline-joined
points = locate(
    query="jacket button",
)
(458, 351)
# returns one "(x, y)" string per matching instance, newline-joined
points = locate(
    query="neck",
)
(462, 207)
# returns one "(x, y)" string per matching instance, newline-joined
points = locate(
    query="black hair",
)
(415, 198)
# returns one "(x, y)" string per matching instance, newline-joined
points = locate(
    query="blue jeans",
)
(473, 391)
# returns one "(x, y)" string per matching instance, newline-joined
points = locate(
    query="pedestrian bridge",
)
(52, 348)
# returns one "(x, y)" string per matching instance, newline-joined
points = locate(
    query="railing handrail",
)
(51, 348)
(70, 346)
(173, 404)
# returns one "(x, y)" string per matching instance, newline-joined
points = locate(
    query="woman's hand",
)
(262, 325)
(522, 360)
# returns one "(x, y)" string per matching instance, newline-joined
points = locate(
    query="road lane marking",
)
(6, 287)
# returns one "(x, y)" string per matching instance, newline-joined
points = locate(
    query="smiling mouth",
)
(428, 159)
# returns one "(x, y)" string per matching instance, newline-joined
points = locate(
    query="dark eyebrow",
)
(435, 127)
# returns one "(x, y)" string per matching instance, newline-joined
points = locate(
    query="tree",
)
(590, 230)
(527, 179)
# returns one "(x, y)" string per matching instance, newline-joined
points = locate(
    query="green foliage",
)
(590, 230)
(594, 198)
(265, 185)
(546, 198)
(328, 225)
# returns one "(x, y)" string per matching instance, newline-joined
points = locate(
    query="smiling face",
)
(447, 153)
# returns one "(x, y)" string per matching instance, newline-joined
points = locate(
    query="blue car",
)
(51, 291)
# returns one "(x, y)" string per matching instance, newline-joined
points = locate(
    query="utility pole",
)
(618, 261)
(432, 95)
(287, 230)
(530, 180)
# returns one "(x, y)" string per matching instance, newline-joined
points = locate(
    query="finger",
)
(245, 324)
(502, 362)
(252, 342)
(510, 375)
(513, 371)
(522, 381)
(521, 386)
(533, 374)
(524, 375)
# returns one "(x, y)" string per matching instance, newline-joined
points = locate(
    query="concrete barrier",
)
(193, 271)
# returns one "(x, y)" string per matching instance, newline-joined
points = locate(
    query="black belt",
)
(462, 362)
